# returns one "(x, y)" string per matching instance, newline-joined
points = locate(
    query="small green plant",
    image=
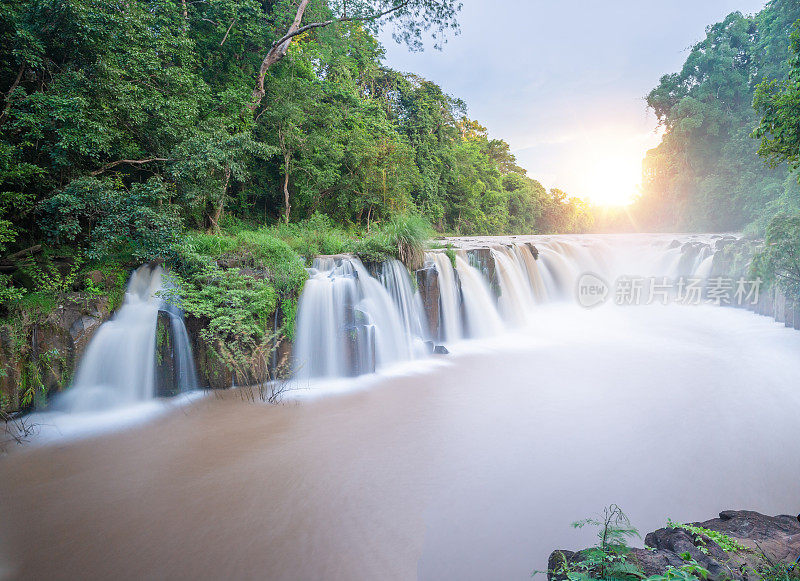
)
(49, 278)
(407, 235)
(702, 536)
(451, 254)
(690, 571)
(608, 559)
(774, 570)
(91, 289)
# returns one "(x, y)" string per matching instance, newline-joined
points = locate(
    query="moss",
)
(289, 311)
(451, 254)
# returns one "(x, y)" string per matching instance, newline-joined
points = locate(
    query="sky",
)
(564, 82)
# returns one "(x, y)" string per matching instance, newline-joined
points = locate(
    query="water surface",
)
(472, 468)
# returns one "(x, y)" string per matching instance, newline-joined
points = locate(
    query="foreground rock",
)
(765, 539)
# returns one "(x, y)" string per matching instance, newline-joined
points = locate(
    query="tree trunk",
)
(278, 50)
(220, 209)
(287, 207)
(275, 54)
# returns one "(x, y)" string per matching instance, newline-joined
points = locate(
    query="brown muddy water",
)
(471, 468)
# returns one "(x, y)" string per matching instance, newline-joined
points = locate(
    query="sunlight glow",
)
(608, 161)
(613, 181)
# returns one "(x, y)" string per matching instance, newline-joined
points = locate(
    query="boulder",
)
(764, 538)
(428, 285)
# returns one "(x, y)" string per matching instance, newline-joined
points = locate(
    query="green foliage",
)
(778, 103)
(690, 571)
(314, 236)
(705, 174)
(111, 221)
(608, 559)
(701, 535)
(211, 245)
(407, 236)
(451, 254)
(771, 570)
(237, 306)
(9, 294)
(779, 262)
(50, 278)
(284, 268)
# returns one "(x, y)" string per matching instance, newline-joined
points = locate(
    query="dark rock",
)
(655, 562)
(428, 285)
(776, 537)
(96, 277)
(482, 259)
(166, 382)
(440, 350)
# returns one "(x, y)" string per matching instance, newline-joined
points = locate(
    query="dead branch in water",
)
(16, 430)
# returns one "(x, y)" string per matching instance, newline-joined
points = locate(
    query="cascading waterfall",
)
(449, 298)
(525, 256)
(351, 323)
(515, 299)
(185, 375)
(118, 367)
(481, 318)
(397, 281)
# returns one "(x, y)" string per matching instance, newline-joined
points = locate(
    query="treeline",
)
(706, 174)
(125, 123)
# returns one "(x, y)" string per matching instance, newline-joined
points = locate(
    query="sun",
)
(613, 180)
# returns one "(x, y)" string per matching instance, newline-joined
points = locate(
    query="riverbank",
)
(738, 545)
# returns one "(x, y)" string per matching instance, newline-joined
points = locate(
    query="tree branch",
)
(227, 32)
(281, 46)
(7, 108)
(313, 25)
(113, 164)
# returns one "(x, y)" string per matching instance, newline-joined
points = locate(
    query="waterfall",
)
(348, 323)
(525, 257)
(449, 298)
(397, 281)
(516, 298)
(481, 318)
(559, 277)
(185, 375)
(118, 367)
(351, 323)
(704, 269)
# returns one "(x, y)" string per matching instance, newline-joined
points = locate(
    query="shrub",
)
(133, 224)
(407, 236)
(779, 262)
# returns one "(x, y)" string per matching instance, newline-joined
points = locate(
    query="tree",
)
(778, 103)
(705, 173)
(410, 17)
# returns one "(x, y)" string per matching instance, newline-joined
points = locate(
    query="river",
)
(467, 466)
